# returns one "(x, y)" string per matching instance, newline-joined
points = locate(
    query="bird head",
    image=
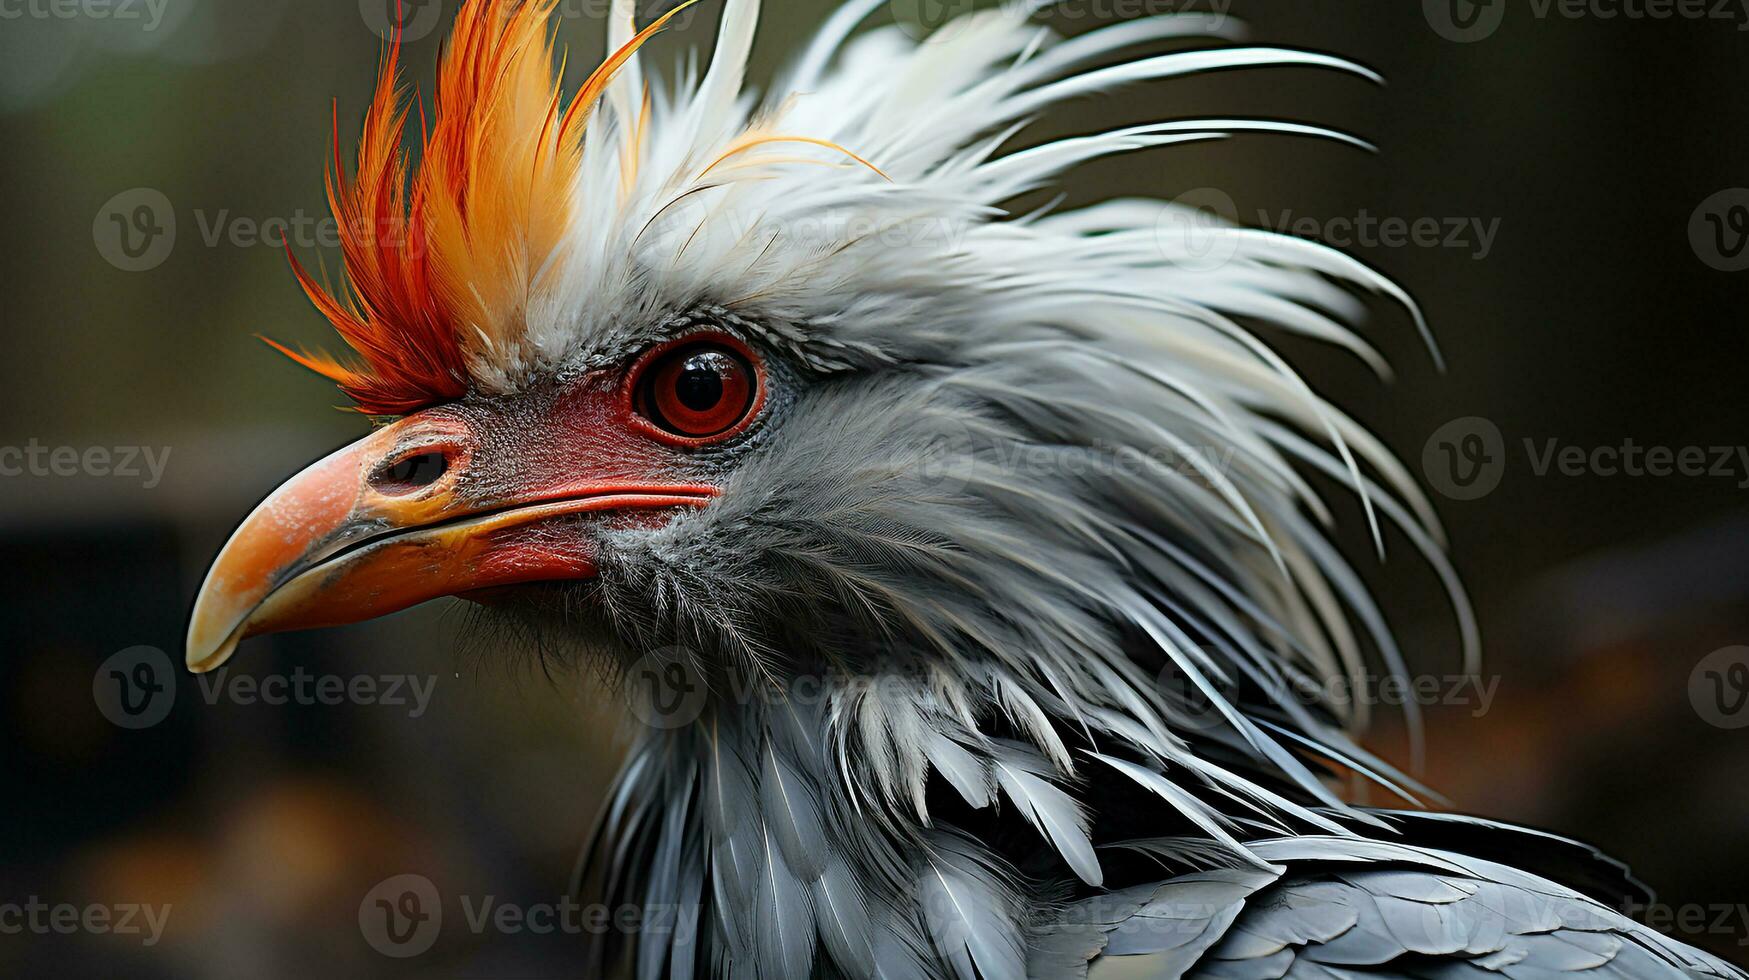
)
(784, 384)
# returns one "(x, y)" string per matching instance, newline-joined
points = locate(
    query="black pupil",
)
(700, 384)
(417, 471)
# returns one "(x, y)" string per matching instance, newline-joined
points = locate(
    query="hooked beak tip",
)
(215, 628)
(277, 536)
(203, 658)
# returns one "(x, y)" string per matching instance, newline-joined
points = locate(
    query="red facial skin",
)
(345, 541)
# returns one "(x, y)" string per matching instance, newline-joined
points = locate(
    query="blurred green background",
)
(1591, 317)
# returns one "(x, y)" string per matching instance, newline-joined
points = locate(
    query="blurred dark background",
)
(1598, 309)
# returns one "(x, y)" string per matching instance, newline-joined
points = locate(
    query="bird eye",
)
(698, 391)
(410, 473)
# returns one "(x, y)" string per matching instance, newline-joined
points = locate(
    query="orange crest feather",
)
(441, 262)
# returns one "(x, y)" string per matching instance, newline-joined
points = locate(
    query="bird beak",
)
(343, 541)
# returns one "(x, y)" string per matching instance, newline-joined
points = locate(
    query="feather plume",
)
(447, 263)
(1053, 812)
(971, 911)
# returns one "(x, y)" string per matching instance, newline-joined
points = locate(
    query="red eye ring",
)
(697, 390)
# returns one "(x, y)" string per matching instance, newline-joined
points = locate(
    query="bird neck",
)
(772, 812)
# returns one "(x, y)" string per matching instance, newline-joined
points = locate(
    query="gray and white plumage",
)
(1000, 603)
(1019, 614)
(1330, 906)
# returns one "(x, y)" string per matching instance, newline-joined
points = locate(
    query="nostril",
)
(410, 473)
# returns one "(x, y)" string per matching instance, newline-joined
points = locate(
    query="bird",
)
(970, 574)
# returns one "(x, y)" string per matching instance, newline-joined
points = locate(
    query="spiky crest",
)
(444, 260)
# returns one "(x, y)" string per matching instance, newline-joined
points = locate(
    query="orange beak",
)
(398, 518)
